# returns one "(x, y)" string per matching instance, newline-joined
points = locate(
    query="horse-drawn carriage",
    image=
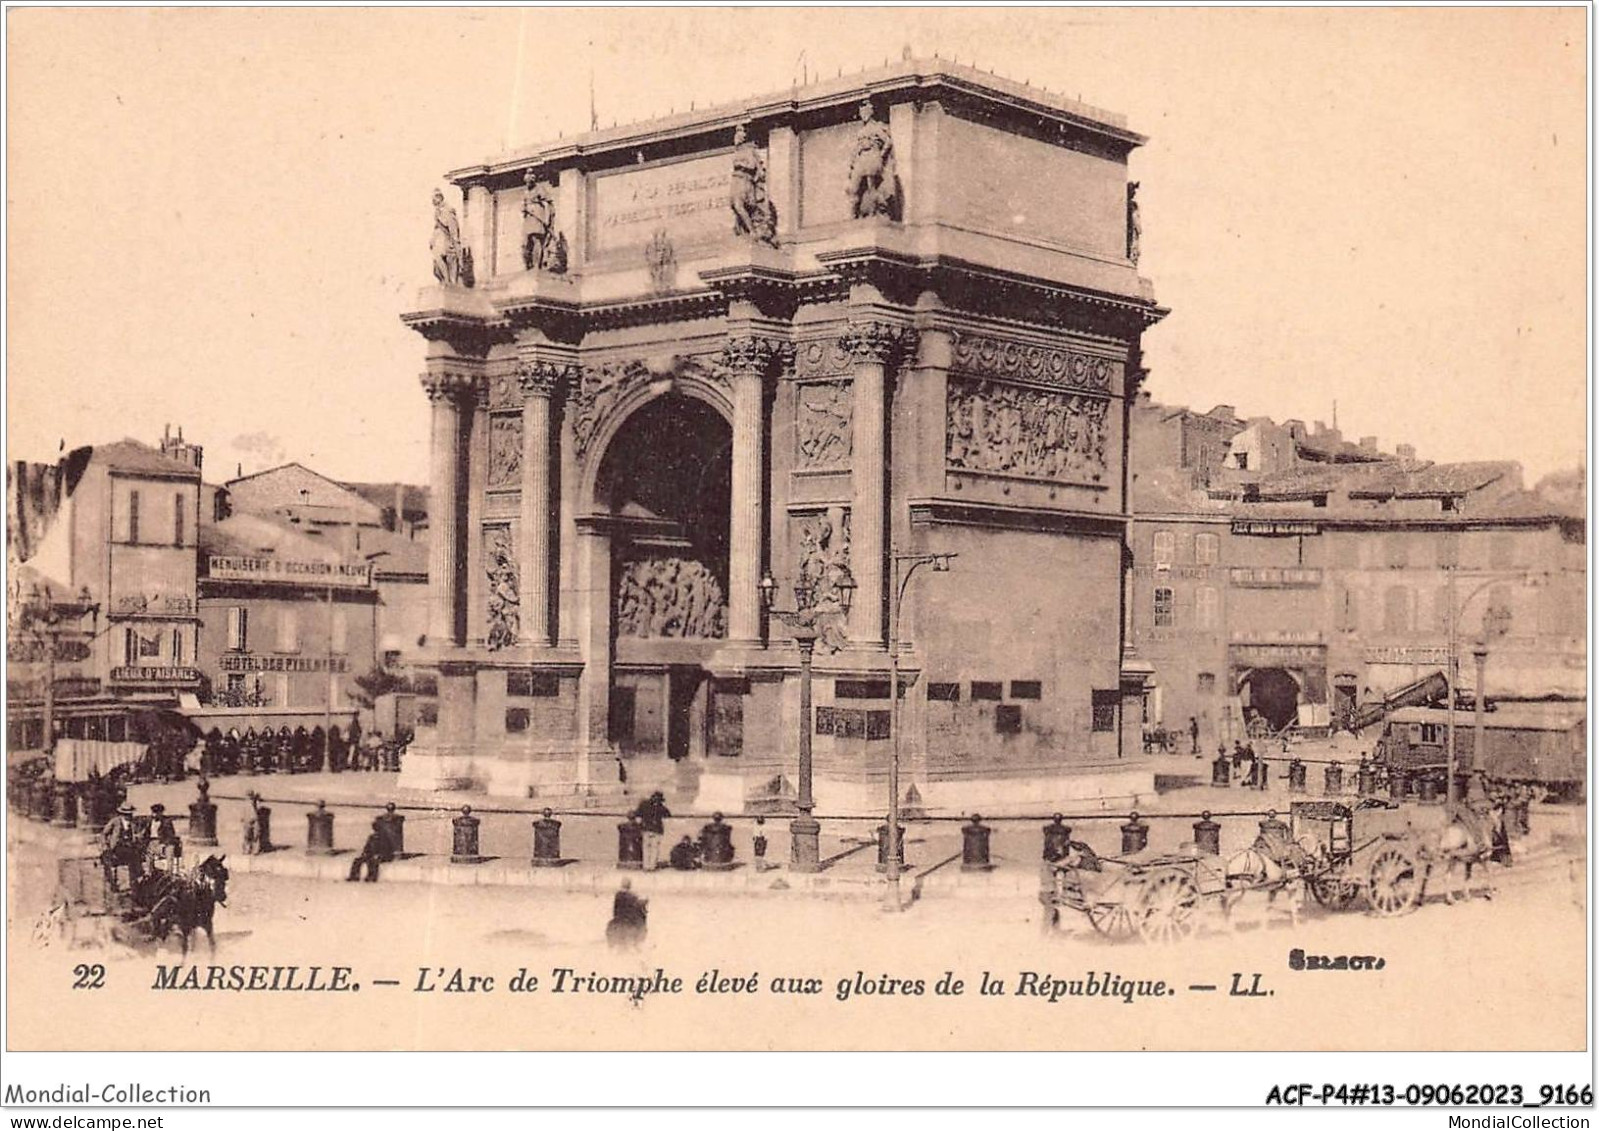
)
(100, 900)
(1338, 853)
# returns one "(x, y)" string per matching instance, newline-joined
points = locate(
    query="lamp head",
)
(803, 593)
(768, 588)
(845, 587)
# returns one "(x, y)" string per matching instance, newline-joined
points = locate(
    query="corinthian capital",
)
(751, 353)
(542, 377)
(449, 384)
(878, 343)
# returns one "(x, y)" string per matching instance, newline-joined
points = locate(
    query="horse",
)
(185, 901)
(1465, 842)
(1274, 865)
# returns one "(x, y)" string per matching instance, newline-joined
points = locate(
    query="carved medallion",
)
(998, 357)
(822, 357)
(1032, 433)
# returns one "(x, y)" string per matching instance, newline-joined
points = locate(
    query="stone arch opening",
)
(664, 486)
(1272, 693)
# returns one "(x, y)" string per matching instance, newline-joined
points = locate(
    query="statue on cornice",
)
(542, 248)
(1135, 226)
(753, 212)
(451, 263)
(873, 180)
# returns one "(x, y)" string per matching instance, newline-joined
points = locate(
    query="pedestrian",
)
(760, 845)
(685, 855)
(373, 853)
(1193, 733)
(629, 913)
(652, 814)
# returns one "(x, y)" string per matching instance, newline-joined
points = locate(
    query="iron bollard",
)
(716, 845)
(974, 846)
(546, 841)
(464, 850)
(1135, 835)
(1057, 837)
(1207, 835)
(319, 831)
(630, 845)
(1221, 771)
(1427, 791)
(1296, 775)
(1398, 784)
(1365, 778)
(203, 817)
(66, 814)
(393, 826)
(882, 848)
(1334, 782)
(1272, 828)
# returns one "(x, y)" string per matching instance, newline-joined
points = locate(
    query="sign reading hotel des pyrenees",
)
(689, 199)
(341, 574)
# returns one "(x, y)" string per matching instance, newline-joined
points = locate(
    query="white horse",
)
(1465, 842)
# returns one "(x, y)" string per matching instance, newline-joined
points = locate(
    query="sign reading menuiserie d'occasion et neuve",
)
(348, 575)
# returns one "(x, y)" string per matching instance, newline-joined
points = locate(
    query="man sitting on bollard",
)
(373, 853)
(652, 813)
(685, 855)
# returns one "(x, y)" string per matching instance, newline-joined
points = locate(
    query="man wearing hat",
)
(652, 814)
(161, 841)
(376, 850)
(117, 847)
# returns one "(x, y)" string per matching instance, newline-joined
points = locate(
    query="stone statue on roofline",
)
(753, 212)
(1135, 226)
(543, 248)
(874, 188)
(452, 262)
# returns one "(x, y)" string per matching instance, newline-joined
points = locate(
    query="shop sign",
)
(243, 662)
(342, 574)
(1274, 577)
(1273, 528)
(1407, 654)
(152, 674)
(1276, 655)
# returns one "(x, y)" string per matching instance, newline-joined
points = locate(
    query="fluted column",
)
(747, 360)
(445, 391)
(539, 380)
(874, 346)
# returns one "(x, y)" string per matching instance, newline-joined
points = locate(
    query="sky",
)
(215, 217)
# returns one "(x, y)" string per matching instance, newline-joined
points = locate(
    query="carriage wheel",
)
(1112, 920)
(1395, 882)
(1334, 891)
(1167, 908)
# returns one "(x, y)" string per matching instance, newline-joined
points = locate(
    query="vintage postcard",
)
(795, 529)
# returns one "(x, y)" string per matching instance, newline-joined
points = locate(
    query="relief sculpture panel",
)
(504, 588)
(505, 449)
(670, 597)
(1031, 433)
(822, 425)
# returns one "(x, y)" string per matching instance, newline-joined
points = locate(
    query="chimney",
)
(1405, 451)
(1368, 444)
(399, 507)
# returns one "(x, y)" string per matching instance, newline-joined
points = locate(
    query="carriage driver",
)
(162, 848)
(118, 847)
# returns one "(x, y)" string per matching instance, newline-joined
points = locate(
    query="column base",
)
(806, 855)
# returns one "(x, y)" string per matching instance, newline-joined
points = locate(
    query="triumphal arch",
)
(795, 337)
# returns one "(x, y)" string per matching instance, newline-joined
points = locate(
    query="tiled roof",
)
(130, 455)
(391, 552)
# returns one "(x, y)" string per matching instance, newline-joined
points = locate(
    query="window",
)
(1207, 549)
(235, 685)
(860, 689)
(1242, 460)
(177, 647)
(1165, 547)
(1430, 733)
(238, 629)
(289, 630)
(982, 689)
(1206, 604)
(1207, 683)
(1165, 607)
(1398, 610)
(130, 647)
(943, 693)
(177, 520)
(826, 720)
(133, 516)
(1007, 719)
(547, 685)
(878, 726)
(1104, 716)
(341, 631)
(1449, 503)
(517, 720)
(1026, 689)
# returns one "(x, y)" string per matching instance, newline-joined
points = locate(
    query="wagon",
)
(85, 911)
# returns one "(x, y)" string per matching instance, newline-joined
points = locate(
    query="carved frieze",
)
(669, 597)
(505, 449)
(823, 416)
(822, 357)
(504, 392)
(984, 356)
(1026, 432)
(504, 588)
(823, 564)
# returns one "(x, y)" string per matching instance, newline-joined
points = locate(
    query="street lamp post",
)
(905, 566)
(1493, 624)
(804, 625)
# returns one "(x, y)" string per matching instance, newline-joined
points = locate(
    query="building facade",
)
(802, 337)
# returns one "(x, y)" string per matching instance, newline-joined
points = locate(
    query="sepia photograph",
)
(816, 530)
